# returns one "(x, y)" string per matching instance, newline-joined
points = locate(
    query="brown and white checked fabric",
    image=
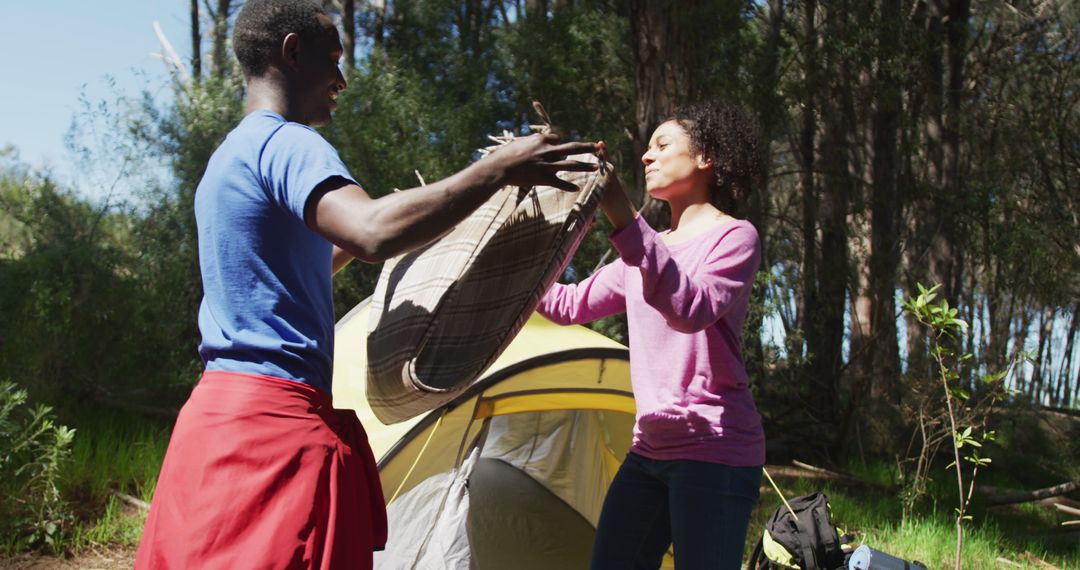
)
(442, 314)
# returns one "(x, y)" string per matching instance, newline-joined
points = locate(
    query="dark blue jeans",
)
(701, 508)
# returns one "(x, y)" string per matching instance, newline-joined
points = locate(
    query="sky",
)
(55, 51)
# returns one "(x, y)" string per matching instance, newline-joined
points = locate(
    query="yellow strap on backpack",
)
(777, 489)
(776, 553)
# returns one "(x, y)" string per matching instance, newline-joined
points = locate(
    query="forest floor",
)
(863, 498)
(858, 505)
(93, 558)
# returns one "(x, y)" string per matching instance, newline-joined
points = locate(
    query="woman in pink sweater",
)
(692, 474)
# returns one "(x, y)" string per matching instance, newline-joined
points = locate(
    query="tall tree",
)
(924, 220)
(826, 334)
(810, 300)
(765, 92)
(196, 43)
(885, 203)
(348, 25)
(659, 77)
(378, 8)
(219, 50)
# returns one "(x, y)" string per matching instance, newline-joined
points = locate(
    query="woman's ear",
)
(704, 162)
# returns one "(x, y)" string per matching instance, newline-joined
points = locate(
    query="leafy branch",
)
(945, 329)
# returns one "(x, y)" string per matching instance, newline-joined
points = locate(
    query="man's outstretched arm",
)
(374, 230)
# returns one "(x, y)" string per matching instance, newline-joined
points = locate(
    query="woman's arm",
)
(692, 298)
(598, 296)
(616, 204)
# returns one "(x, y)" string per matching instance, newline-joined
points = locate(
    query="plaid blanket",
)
(442, 314)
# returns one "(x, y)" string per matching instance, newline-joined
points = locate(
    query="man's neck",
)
(265, 93)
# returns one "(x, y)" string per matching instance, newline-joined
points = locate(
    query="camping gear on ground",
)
(510, 473)
(866, 558)
(800, 534)
(443, 313)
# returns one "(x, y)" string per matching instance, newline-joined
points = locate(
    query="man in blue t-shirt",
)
(261, 471)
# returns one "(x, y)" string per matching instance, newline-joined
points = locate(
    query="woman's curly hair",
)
(730, 136)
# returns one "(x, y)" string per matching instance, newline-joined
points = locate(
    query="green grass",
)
(1024, 534)
(113, 451)
(117, 525)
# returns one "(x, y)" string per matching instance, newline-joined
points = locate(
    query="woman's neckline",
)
(696, 237)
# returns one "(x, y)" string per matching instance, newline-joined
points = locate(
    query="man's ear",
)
(704, 162)
(290, 50)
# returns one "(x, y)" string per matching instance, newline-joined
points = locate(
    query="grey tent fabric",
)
(516, 522)
(527, 497)
(428, 525)
(442, 314)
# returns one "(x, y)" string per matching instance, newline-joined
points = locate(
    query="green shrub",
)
(33, 449)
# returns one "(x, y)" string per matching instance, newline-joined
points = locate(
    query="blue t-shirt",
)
(267, 306)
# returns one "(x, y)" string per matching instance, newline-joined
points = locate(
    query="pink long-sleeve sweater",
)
(685, 304)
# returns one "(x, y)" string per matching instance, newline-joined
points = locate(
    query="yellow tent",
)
(513, 472)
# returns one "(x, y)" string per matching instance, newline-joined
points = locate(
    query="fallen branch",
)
(1060, 501)
(1039, 561)
(1067, 510)
(137, 503)
(846, 477)
(1074, 414)
(806, 471)
(1029, 496)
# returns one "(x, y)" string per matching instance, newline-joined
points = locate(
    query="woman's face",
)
(672, 170)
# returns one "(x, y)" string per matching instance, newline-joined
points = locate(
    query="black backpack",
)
(809, 543)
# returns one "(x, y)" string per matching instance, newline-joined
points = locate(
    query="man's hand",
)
(536, 159)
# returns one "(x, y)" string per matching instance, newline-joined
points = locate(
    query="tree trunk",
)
(940, 250)
(810, 302)
(768, 114)
(835, 158)
(1044, 357)
(861, 336)
(1000, 314)
(658, 72)
(770, 105)
(196, 44)
(219, 51)
(1067, 360)
(924, 267)
(934, 71)
(472, 24)
(968, 373)
(348, 25)
(945, 258)
(1020, 334)
(536, 8)
(377, 40)
(957, 38)
(885, 209)
(909, 265)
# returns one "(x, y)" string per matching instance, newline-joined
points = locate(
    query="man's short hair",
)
(263, 24)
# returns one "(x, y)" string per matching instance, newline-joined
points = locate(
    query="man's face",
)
(319, 78)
